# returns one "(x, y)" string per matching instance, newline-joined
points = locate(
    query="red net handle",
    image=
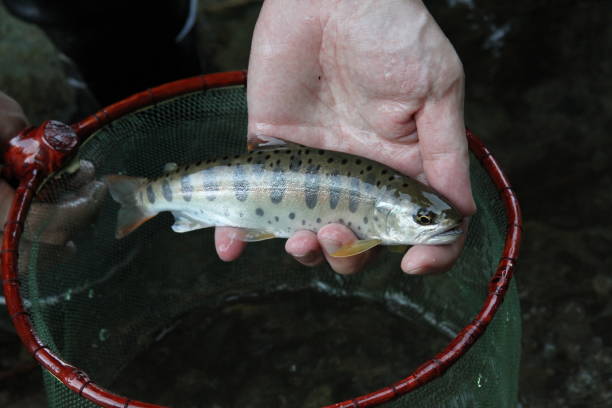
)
(36, 152)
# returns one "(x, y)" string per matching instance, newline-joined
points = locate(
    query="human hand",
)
(75, 202)
(378, 80)
(12, 120)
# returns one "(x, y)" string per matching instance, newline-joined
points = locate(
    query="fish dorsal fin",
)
(254, 235)
(262, 142)
(355, 248)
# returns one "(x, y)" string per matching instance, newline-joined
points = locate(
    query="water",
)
(301, 349)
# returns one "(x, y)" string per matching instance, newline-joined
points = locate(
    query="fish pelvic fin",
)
(255, 235)
(355, 248)
(131, 215)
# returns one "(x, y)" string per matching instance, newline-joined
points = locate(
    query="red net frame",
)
(55, 142)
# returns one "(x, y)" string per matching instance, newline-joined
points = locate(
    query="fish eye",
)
(424, 217)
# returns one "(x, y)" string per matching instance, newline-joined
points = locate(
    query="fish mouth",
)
(446, 236)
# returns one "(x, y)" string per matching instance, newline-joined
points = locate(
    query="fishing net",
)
(157, 317)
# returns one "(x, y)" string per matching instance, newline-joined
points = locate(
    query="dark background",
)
(538, 92)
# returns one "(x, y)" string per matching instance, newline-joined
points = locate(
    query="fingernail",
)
(307, 258)
(329, 245)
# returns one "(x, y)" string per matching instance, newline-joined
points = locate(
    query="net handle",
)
(30, 176)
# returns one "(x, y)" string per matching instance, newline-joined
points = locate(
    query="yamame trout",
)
(276, 192)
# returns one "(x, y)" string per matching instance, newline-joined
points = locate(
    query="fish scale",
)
(275, 192)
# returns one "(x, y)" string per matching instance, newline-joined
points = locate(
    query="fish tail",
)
(131, 214)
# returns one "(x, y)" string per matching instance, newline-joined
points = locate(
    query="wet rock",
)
(31, 71)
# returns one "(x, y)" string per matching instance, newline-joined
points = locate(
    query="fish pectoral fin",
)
(262, 142)
(184, 223)
(399, 249)
(355, 248)
(254, 235)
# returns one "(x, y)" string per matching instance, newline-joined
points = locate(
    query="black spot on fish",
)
(250, 159)
(295, 163)
(369, 168)
(318, 220)
(375, 218)
(276, 218)
(344, 161)
(237, 156)
(269, 222)
(341, 221)
(198, 163)
(391, 178)
(278, 162)
(291, 216)
(240, 214)
(358, 161)
(186, 187)
(321, 152)
(383, 172)
(209, 183)
(369, 180)
(259, 212)
(311, 186)
(354, 195)
(277, 190)
(241, 184)
(303, 222)
(268, 157)
(225, 157)
(365, 220)
(150, 194)
(334, 189)
(166, 190)
(330, 160)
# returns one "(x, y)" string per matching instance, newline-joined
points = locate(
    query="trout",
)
(275, 192)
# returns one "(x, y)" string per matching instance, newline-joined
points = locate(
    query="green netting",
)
(158, 317)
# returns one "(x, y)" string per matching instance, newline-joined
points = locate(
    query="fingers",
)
(423, 259)
(331, 238)
(228, 242)
(442, 141)
(6, 199)
(304, 247)
(12, 118)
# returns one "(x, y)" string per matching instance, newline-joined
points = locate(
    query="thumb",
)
(443, 147)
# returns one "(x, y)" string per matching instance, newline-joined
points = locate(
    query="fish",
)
(276, 190)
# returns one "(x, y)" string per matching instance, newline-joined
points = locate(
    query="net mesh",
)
(154, 316)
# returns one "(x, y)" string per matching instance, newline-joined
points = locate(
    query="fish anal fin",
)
(262, 142)
(355, 248)
(254, 235)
